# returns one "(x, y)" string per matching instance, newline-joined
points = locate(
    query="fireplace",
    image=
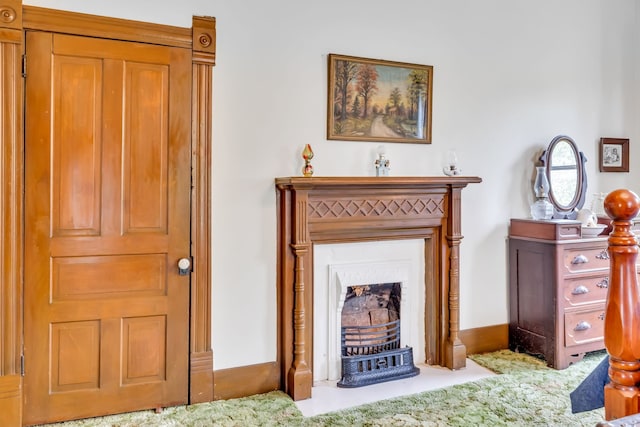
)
(337, 267)
(362, 209)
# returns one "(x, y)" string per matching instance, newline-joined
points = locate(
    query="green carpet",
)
(526, 393)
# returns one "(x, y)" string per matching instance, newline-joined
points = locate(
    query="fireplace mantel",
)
(355, 209)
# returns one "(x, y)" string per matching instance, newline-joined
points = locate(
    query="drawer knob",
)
(580, 259)
(604, 283)
(582, 326)
(580, 290)
(603, 255)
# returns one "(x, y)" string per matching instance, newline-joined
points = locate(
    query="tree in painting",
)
(345, 73)
(366, 85)
(416, 92)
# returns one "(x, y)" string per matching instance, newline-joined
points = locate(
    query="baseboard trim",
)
(201, 386)
(11, 400)
(486, 339)
(245, 380)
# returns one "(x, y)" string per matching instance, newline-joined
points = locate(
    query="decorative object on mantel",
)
(376, 100)
(614, 155)
(542, 207)
(382, 163)
(307, 155)
(451, 168)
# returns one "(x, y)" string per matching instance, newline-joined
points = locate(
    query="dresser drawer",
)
(582, 327)
(578, 260)
(585, 290)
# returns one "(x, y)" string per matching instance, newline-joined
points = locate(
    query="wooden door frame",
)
(15, 19)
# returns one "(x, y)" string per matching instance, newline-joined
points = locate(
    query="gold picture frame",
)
(377, 100)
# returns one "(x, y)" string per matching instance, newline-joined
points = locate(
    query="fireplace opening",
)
(370, 336)
(370, 319)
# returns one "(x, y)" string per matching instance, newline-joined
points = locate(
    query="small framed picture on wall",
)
(614, 155)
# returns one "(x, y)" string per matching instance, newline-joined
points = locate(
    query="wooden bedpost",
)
(622, 311)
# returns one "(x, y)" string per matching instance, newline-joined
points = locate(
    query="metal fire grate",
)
(361, 340)
(372, 354)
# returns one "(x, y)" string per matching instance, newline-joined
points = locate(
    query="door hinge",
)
(22, 365)
(24, 65)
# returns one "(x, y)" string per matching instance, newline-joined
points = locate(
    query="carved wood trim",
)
(11, 221)
(11, 142)
(340, 209)
(59, 21)
(456, 351)
(382, 206)
(203, 58)
(622, 308)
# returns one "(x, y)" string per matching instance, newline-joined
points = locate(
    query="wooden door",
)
(107, 217)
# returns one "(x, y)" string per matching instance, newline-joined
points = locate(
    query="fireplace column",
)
(456, 352)
(300, 377)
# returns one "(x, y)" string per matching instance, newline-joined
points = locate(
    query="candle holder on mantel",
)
(307, 155)
(451, 167)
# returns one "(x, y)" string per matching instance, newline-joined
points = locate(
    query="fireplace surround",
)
(387, 262)
(351, 209)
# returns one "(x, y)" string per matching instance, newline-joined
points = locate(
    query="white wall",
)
(509, 75)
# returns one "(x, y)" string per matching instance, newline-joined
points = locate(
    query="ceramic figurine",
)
(382, 164)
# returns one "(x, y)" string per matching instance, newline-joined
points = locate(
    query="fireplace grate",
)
(363, 340)
(372, 354)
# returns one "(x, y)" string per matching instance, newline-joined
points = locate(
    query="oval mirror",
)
(567, 177)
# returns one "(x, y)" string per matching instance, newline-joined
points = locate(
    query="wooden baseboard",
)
(254, 379)
(201, 387)
(486, 339)
(245, 380)
(11, 400)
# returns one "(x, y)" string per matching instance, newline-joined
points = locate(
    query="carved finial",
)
(622, 205)
(622, 308)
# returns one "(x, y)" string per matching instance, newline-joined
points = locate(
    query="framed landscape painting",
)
(377, 100)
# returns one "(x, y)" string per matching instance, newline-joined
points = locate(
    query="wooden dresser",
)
(558, 285)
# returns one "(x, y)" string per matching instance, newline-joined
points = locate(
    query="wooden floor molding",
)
(245, 381)
(486, 338)
(10, 400)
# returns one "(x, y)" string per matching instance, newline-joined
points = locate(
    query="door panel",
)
(107, 209)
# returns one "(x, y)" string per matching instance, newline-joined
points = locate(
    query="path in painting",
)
(378, 128)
